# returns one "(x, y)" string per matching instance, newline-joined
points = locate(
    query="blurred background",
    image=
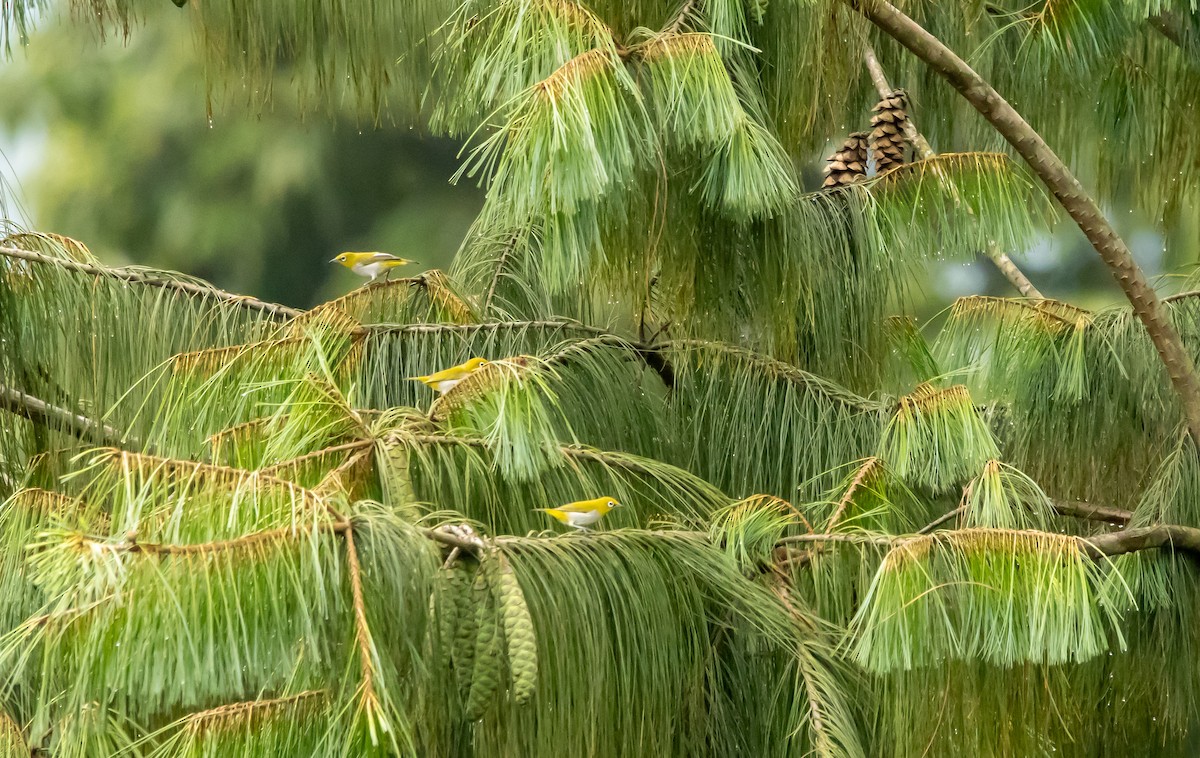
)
(121, 145)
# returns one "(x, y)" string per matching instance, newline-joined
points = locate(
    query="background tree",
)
(239, 528)
(252, 198)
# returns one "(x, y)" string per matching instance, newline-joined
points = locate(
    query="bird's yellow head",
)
(347, 259)
(475, 363)
(606, 504)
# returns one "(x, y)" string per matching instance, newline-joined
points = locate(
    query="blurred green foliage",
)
(252, 200)
(257, 199)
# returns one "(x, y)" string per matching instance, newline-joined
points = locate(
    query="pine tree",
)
(235, 528)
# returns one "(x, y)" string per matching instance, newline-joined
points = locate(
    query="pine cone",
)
(467, 616)
(489, 645)
(849, 163)
(888, 143)
(449, 608)
(519, 634)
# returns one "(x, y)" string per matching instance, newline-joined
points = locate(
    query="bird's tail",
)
(418, 379)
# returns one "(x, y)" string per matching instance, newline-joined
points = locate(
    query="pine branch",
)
(564, 324)
(680, 18)
(433, 283)
(346, 447)
(187, 470)
(1073, 508)
(244, 543)
(508, 246)
(867, 467)
(653, 358)
(53, 417)
(369, 287)
(932, 525)
(1015, 276)
(223, 714)
(362, 633)
(1091, 512)
(1070, 317)
(459, 537)
(135, 277)
(1169, 536)
(573, 452)
(784, 371)
(1062, 183)
(1181, 296)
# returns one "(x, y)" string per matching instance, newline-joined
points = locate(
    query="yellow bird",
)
(371, 264)
(582, 514)
(443, 381)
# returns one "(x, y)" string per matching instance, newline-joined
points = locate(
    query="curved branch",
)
(60, 419)
(362, 632)
(948, 516)
(1181, 296)
(654, 359)
(509, 246)
(781, 370)
(135, 277)
(1062, 183)
(1092, 512)
(1016, 277)
(867, 467)
(1170, 536)
(485, 326)
(202, 720)
(680, 18)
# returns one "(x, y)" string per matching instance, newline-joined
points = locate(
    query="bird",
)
(371, 264)
(443, 381)
(582, 514)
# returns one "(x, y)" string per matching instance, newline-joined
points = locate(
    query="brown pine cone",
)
(849, 163)
(889, 146)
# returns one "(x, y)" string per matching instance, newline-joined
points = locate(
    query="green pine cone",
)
(468, 626)
(394, 475)
(489, 643)
(519, 634)
(452, 583)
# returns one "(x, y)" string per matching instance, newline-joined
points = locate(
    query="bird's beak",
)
(333, 260)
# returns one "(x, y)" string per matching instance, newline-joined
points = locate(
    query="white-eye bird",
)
(584, 513)
(371, 264)
(443, 381)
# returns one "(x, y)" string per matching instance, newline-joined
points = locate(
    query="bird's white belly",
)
(445, 386)
(586, 518)
(369, 269)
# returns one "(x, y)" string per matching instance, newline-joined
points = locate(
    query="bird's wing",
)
(583, 506)
(382, 258)
(556, 513)
(441, 376)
